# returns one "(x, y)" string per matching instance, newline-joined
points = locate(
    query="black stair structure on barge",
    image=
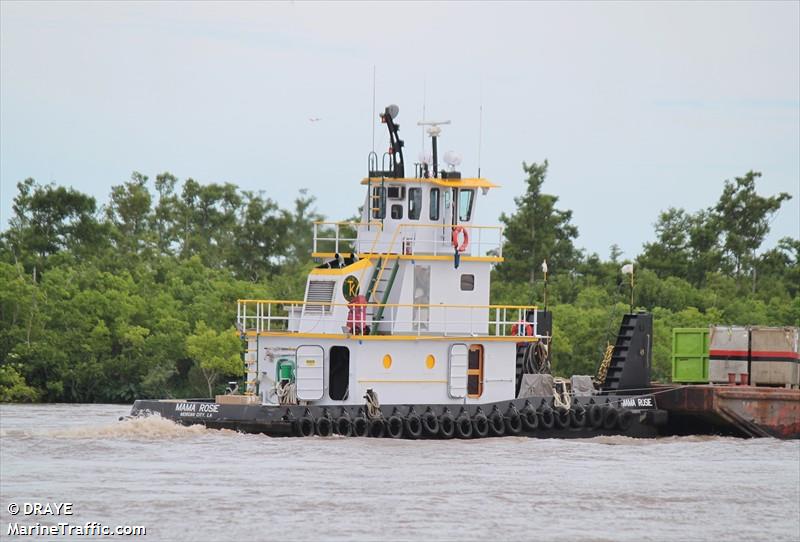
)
(633, 354)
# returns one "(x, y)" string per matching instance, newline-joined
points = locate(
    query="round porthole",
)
(387, 361)
(430, 361)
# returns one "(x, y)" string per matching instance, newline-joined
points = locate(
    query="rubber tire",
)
(377, 427)
(324, 426)
(394, 426)
(547, 418)
(561, 418)
(577, 417)
(430, 423)
(305, 426)
(360, 426)
(480, 426)
(625, 420)
(447, 426)
(610, 418)
(596, 416)
(413, 426)
(497, 424)
(344, 426)
(530, 420)
(513, 423)
(464, 427)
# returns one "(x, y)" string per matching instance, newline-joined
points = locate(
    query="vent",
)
(320, 291)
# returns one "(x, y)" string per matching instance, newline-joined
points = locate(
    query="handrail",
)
(286, 316)
(433, 245)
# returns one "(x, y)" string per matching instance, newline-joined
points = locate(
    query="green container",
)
(690, 355)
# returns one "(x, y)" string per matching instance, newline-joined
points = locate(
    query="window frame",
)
(434, 204)
(418, 201)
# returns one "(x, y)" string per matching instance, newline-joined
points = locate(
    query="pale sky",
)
(637, 106)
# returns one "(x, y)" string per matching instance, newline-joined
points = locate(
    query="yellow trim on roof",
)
(353, 267)
(340, 336)
(472, 182)
(423, 257)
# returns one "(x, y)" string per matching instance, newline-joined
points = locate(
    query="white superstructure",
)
(400, 304)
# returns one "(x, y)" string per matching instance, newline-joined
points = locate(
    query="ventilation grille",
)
(320, 291)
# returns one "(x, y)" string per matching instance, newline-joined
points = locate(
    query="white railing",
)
(279, 316)
(432, 239)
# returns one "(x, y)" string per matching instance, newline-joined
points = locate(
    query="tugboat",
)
(396, 336)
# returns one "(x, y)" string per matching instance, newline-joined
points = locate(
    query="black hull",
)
(501, 419)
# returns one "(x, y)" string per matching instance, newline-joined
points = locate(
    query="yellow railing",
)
(286, 316)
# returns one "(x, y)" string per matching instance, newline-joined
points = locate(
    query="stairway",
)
(633, 353)
(380, 286)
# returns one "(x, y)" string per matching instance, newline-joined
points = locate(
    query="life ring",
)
(515, 329)
(463, 246)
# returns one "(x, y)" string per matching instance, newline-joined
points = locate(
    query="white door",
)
(310, 372)
(457, 368)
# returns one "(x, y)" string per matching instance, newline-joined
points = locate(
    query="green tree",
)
(744, 218)
(537, 231)
(217, 353)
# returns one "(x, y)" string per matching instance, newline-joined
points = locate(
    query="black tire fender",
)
(625, 420)
(447, 425)
(344, 426)
(430, 423)
(324, 426)
(413, 426)
(360, 426)
(480, 426)
(464, 427)
(305, 426)
(377, 427)
(394, 426)
(547, 418)
(596, 416)
(610, 418)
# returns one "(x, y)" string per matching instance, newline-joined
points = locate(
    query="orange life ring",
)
(463, 246)
(527, 330)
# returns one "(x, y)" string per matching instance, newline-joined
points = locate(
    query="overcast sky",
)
(637, 106)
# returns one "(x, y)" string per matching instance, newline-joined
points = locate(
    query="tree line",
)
(107, 303)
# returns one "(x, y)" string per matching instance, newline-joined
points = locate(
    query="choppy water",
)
(197, 484)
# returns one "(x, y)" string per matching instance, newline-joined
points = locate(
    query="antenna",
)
(434, 132)
(372, 120)
(480, 137)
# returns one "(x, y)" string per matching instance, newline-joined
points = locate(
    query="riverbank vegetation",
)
(107, 303)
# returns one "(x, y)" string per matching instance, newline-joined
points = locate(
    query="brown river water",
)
(194, 484)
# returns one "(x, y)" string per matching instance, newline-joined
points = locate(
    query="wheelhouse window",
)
(465, 198)
(414, 203)
(397, 212)
(434, 207)
(467, 283)
(378, 202)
